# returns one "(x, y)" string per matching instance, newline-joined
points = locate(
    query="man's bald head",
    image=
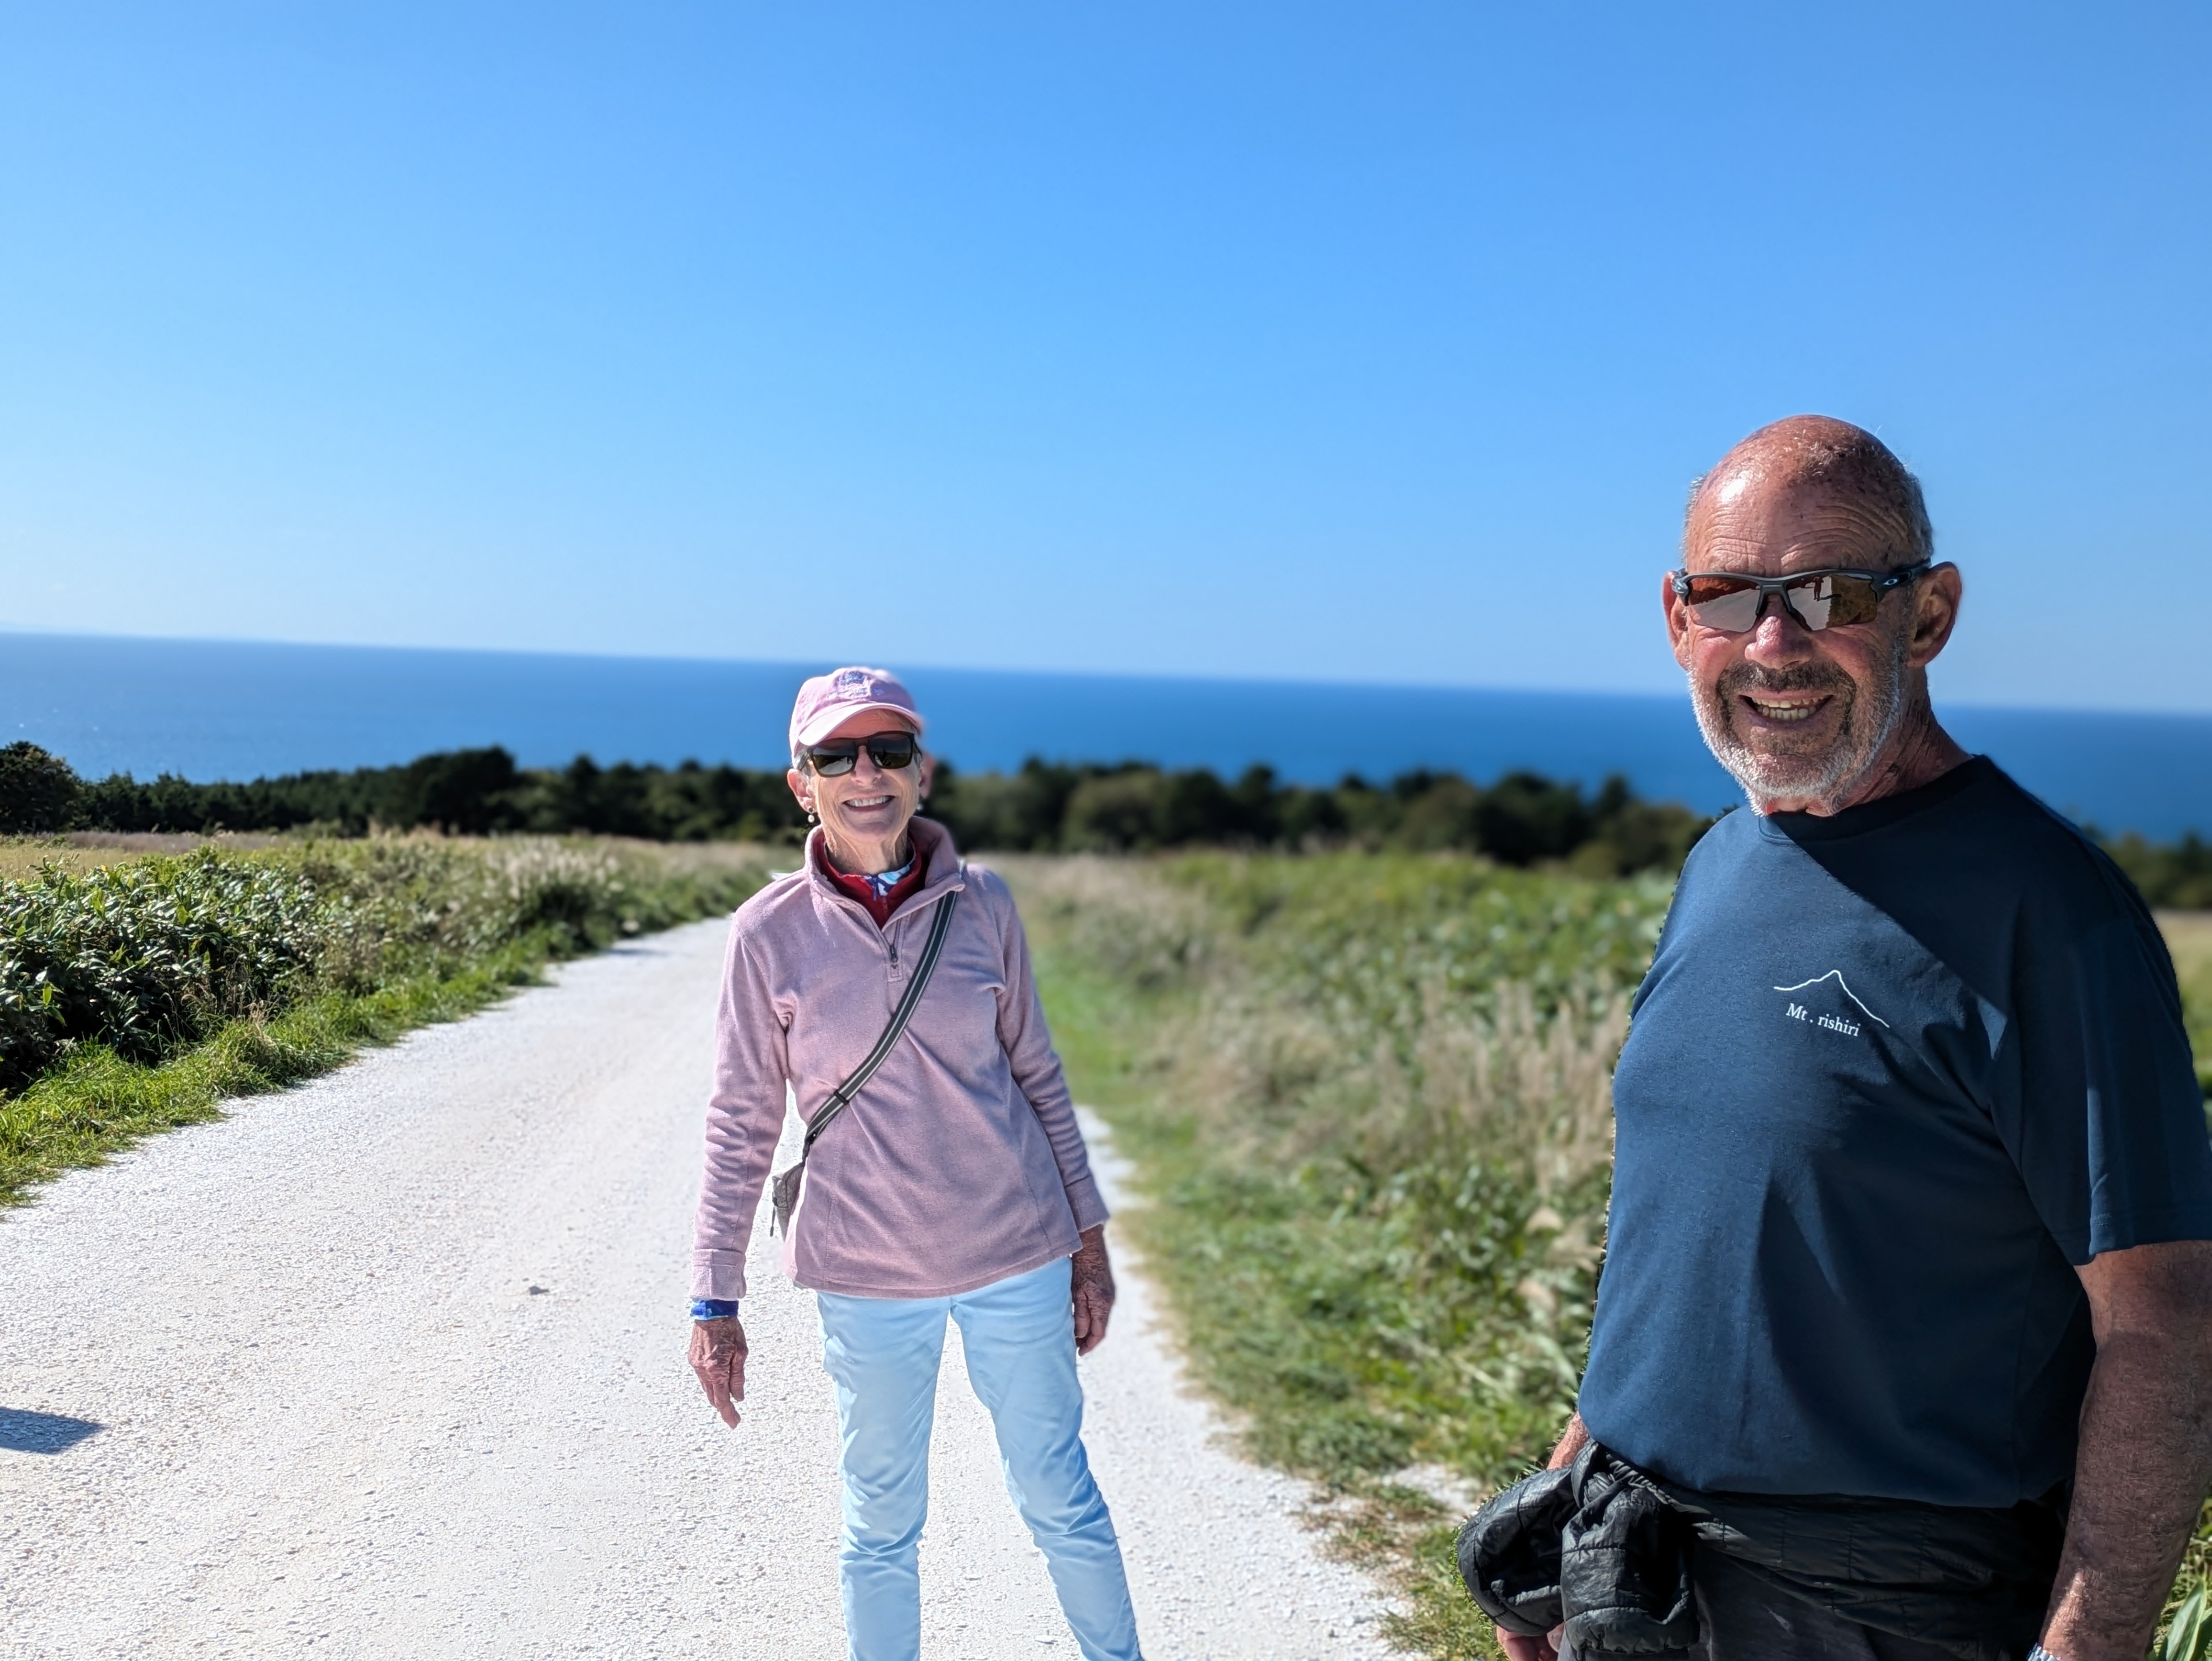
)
(1812, 718)
(1811, 453)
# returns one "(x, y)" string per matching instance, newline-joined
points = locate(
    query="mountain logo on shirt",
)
(1844, 1022)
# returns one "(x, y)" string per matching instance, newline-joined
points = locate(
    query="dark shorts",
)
(1746, 1618)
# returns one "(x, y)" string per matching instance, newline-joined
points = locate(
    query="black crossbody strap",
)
(842, 1097)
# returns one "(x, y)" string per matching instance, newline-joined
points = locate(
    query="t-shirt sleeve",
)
(2107, 1123)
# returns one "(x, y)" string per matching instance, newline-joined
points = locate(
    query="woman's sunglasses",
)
(1733, 605)
(889, 750)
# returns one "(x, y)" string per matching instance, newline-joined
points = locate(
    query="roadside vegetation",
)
(2189, 937)
(1368, 1096)
(136, 993)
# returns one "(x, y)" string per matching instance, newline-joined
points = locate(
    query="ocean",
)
(210, 709)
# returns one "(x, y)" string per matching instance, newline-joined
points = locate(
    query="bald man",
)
(1908, 1294)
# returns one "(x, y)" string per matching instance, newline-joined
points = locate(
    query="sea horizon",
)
(239, 709)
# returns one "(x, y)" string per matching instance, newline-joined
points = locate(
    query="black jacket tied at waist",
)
(1605, 1550)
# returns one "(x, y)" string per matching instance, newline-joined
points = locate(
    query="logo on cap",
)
(852, 680)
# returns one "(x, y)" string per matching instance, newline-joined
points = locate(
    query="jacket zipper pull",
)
(893, 947)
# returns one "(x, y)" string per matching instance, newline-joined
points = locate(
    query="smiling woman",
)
(954, 1181)
(858, 771)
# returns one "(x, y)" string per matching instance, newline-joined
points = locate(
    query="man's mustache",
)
(1797, 678)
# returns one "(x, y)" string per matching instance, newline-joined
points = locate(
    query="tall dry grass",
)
(1374, 1095)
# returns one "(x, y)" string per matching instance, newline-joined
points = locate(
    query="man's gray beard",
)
(1872, 715)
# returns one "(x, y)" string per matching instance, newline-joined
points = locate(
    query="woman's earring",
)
(813, 817)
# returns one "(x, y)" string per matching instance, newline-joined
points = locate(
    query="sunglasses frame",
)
(1883, 582)
(813, 754)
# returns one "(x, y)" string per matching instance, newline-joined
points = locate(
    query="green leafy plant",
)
(2185, 1631)
(133, 996)
(2188, 1636)
(145, 956)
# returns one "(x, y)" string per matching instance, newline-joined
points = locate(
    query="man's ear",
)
(1678, 620)
(1936, 602)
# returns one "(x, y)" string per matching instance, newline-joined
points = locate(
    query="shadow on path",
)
(25, 1432)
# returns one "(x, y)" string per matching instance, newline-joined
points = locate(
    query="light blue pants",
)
(1019, 1336)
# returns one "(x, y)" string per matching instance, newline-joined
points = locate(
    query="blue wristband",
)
(2039, 1653)
(712, 1309)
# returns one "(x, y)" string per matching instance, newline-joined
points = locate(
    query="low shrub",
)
(148, 956)
(133, 996)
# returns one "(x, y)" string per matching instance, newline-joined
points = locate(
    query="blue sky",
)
(1370, 342)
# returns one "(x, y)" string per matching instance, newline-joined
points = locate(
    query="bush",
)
(2177, 876)
(39, 793)
(147, 956)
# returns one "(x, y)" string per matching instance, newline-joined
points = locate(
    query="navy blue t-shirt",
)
(1893, 1074)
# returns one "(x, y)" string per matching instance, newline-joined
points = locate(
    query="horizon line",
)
(1138, 675)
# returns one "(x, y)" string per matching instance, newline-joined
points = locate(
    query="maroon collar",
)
(880, 906)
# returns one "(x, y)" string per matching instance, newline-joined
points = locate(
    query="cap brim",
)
(830, 719)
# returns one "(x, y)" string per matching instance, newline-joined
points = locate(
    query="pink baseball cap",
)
(827, 702)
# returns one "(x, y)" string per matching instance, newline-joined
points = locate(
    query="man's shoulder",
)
(2041, 860)
(1731, 840)
(1986, 878)
(1972, 840)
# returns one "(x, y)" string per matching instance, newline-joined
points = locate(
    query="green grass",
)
(96, 1103)
(2189, 938)
(383, 936)
(1368, 1101)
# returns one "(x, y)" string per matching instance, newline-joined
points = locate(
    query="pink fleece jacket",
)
(960, 1163)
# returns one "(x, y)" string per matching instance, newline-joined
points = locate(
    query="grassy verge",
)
(1369, 1098)
(138, 995)
(2189, 937)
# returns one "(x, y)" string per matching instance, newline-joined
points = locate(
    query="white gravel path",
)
(391, 1366)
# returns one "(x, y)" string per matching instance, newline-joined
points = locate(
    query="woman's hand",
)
(718, 1356)
(1093, 1287)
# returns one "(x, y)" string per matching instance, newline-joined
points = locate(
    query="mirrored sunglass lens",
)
(1856, 600)
(831, 763)
(1724, 606)
(891, 753)
(1812, 601)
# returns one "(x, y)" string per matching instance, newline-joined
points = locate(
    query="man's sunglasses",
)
(889, 750)
(1733, 605)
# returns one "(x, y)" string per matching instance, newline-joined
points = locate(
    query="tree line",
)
(1521, 819)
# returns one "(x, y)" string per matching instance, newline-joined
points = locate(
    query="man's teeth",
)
(1797, 710)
